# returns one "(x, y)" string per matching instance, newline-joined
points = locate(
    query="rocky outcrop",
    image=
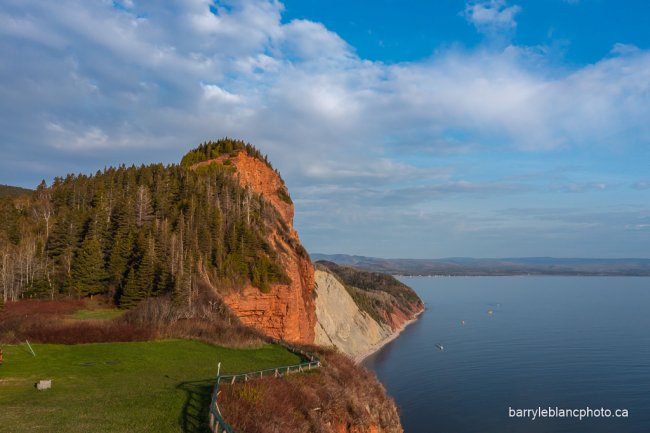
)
(354, 310)
(347, 428)
(287, 311)
(340, 321)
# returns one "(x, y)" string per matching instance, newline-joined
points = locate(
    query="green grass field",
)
(99, 314)
(156, 386)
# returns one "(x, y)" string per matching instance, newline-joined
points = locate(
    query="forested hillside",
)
(133, 232)
(215, 149)
(13, 191)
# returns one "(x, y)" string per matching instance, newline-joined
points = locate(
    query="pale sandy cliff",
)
(340, 322)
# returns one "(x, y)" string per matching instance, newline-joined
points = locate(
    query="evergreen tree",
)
(88, 268)
(119, 259)
(146, 276)
(143, 208)
(132, 293)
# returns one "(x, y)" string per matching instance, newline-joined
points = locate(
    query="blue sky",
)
(410, 30)
(403, 129)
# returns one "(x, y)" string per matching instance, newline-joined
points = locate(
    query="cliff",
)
(360, 320)
(287, 311)
(341, 323)
(205, 249)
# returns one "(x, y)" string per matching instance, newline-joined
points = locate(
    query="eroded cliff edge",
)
(359, 311)
(287, 311)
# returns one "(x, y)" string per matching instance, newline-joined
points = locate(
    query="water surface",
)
(569, 342)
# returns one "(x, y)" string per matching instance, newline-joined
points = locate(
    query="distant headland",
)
(465, 266)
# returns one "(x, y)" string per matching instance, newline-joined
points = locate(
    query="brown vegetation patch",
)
(59, 307)
(340, 397)
(79, 333)
(207, 319)
(45, 322)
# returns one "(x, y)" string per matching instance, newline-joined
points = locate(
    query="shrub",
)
(341, 396)
(30, 307)
(45, 322)
(209, 320)
(80, 333)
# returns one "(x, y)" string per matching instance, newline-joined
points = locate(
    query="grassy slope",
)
(159, 386)
(98, 314)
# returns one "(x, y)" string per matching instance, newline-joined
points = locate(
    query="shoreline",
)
(360, 358)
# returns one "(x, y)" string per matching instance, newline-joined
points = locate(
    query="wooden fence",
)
(217, 423)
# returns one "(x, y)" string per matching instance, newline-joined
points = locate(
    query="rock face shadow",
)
(194, 416)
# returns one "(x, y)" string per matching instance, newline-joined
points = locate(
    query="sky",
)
(416, 129)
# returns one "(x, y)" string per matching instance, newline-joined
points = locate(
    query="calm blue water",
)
(572, 342)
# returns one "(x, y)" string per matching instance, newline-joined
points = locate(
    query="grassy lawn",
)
(155, 386)
(99, 314)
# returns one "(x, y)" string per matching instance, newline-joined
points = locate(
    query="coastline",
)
(360, 358)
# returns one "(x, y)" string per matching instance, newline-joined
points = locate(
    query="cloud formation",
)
(95, 83)
(148, 75)
(492, 16)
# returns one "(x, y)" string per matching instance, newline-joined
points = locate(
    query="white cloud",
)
(307, 40)
(168, 78)
(492, 16)
(621, 49)
(212, 91)
(81, 138)
(86, 78)
(27, 28)
(379, 171)
(578, 187)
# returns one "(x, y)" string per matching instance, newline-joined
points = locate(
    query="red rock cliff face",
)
(346, 428)
(287, 312)
(399, 317)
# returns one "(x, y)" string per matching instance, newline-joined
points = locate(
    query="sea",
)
(523, 354)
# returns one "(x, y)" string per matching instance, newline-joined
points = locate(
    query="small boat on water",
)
(440, 346)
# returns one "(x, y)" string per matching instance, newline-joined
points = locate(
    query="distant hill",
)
(13, 191)
(499, 266)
